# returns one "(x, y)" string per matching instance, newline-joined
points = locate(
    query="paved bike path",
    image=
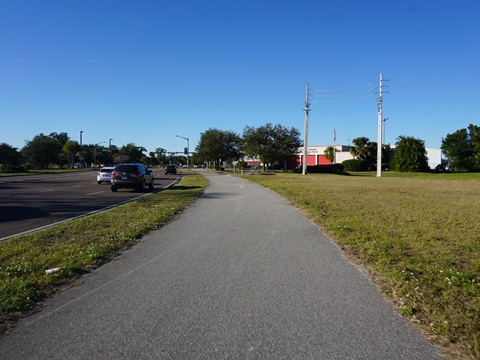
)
(240, 274)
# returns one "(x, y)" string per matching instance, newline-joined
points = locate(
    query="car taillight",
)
(136, 174)
(114, 173)
(98, 173)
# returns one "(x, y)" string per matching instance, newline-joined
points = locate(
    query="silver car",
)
(104, 174)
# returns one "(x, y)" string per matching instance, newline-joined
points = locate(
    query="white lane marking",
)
(98, 192)
(48, 190)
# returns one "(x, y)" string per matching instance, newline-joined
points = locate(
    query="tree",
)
(462, 148)
(9, 157)
(354, 151)
(131, 152)
(271, 143)
(365, 150)
(152, 159)
(410, 155)
(42, 150)
(359, 147)
(61, 138)
(330, 153)
(69, 148)
(160, 155)
(216, 145)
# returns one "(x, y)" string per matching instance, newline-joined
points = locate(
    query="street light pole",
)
(188, 149)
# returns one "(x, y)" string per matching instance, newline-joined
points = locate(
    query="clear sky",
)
(144, 71)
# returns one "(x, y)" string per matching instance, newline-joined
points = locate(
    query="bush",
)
(355, 165)
(7, 168)
(326, 169)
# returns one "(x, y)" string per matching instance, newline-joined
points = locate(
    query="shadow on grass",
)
(183, 188)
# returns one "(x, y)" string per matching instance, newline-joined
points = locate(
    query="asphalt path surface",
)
(33, 201)
(241, 274)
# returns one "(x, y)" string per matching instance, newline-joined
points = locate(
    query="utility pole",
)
(305, 133)
(379, 134)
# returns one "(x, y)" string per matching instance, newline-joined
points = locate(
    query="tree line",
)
(57, 150)
(273, 145)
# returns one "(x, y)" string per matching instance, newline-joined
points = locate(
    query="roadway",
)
(33, 201)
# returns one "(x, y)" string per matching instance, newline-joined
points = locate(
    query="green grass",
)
(81, 245)
(418, 234)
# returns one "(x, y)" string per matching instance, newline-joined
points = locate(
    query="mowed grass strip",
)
(418, 234)
(80, 245)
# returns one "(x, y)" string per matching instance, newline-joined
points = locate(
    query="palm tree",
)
(410, 155)
(354, 151)
(330, 153)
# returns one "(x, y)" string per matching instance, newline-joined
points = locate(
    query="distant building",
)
(316, 155)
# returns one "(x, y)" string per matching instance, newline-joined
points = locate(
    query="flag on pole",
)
(334, 135)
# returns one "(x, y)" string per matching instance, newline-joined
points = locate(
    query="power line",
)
(342, 100)
(333, 95)
(343, 89)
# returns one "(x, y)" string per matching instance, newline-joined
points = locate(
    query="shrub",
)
(7, 168)
(326, 169)
(355, 165)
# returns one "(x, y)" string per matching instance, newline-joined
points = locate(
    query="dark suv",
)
(131, 176)
(170, 169)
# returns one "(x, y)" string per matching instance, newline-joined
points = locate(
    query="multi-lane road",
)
(30, 202)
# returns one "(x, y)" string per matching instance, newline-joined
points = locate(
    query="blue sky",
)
(144, 71)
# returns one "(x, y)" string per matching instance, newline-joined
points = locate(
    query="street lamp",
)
(110, 150)
(188, 149)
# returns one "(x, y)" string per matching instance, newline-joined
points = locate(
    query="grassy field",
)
(418, 236)
(79, 246)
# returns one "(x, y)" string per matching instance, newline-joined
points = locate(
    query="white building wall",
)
(343, 153)
(434, 157)
(342, 156)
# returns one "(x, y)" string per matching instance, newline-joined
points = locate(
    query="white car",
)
(104, 174)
